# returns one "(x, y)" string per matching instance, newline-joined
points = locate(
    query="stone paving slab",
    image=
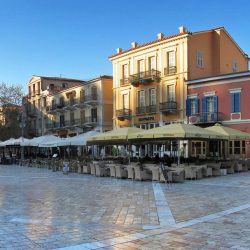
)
(41, 209)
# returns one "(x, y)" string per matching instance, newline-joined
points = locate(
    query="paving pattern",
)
(41, 209)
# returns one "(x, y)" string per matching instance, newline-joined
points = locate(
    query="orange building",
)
(149, 87)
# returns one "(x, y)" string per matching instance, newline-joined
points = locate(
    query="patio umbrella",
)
(36, 141)
(177, 131)
(115, 136)
(78, 140)
(13, 142)
(232, 134)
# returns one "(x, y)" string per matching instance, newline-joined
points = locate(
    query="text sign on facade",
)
(146, 119)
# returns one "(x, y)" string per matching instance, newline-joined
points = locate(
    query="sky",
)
(73, 38)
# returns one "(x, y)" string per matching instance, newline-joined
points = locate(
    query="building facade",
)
(66, 107)
(221, 99)
(149, 87)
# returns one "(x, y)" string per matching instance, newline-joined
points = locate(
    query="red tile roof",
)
(150, 43)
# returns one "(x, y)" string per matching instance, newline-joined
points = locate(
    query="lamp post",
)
(22, 126)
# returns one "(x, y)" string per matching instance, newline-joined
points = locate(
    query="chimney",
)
(134, 44)
(118, 50)
(160, 36)
(182, 29)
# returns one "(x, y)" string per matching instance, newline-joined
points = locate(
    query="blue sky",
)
(73, 38)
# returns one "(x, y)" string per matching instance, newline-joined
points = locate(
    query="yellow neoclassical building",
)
(149, 87)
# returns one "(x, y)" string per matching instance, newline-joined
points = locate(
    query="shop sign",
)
(146, 119)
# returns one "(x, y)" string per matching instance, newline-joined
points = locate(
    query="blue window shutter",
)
(215, 104)
(237, 102)
(188, 107)
(196, 105)
(204, 104)
(232, 102)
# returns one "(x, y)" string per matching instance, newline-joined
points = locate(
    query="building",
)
(39, 87)
(80, 108)
(64, 106)
(149, 87)
(221, 99)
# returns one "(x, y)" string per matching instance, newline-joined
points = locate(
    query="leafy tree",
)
(10, 103)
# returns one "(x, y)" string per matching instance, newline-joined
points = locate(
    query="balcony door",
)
(171, 93)
(152, 63)
(141, 67)
(125, 101)
(94, 115)
(209, 109)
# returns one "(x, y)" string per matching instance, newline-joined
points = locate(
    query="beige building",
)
(149, 80)
(66, 107)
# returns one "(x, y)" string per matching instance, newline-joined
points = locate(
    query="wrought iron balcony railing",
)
(90, 119)
(140, 110)
(124, 81)
(145, 77)
(209, 117)
(151, 109)
(168, 107)
(123, 113)
(91, 98)
(170, 70)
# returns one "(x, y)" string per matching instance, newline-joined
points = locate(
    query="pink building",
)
(224, 99)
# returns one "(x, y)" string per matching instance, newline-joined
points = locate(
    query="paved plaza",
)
(41, 209)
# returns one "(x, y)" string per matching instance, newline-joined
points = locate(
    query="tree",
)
(10, 103)
(10, 94)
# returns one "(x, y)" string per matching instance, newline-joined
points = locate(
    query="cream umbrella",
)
(177, 131)
(232, 134)
(115, 136)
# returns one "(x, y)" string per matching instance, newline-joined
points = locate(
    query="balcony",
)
(151, 109)
(70, 105)
(80, 122)
(124, 81)
(123, 114)
(145, 77)
(204, 118)
(168, 107)
(141, 110)
(51, 109)
(90, 121)
(91, 99)
(170, 71)
(52, 126)
(80, 103)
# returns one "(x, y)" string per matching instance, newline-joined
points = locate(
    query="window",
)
(140, 66)
(234, 65)
(125, 71)
(82, 95)
(125, 101)
(152, 63)
(141, 98)
(94, 115)
(192, 106)
(237, 147)
(200, 59)
(210, 104)
(62, 121)
(171, 92)
(171, 59)
(235, 102)
(152, 97)
(243, 147)
(82, 115)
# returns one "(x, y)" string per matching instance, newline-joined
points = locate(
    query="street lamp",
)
(22, 125)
